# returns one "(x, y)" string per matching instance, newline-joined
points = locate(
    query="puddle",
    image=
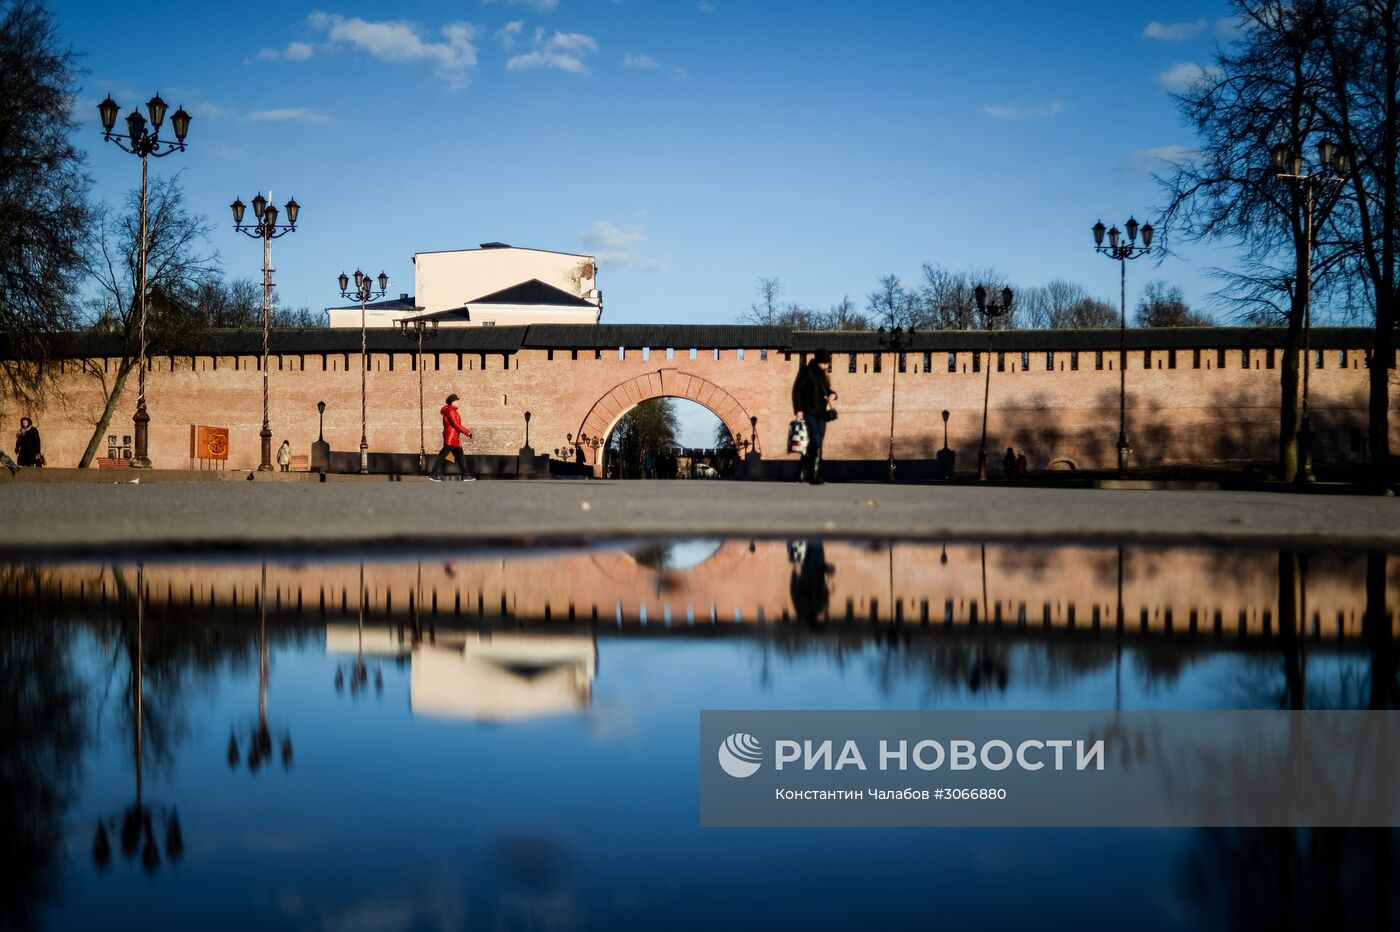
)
(508, 739)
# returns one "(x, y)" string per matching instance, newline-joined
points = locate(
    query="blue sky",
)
(693, 147)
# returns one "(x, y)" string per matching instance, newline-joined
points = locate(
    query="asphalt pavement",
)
(51, 518)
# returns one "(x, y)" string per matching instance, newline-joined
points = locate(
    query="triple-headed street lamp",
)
(144, 142)
(989, 312)
(896, 341)
(267, 230)
(419, 330)
(364, 293)
(1332, 167)
(1121, 252)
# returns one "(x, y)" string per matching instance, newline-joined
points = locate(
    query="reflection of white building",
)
(493, 285)
(485, 677)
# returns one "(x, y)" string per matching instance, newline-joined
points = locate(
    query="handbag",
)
(797, 438)
(830, 413)
(40, 461)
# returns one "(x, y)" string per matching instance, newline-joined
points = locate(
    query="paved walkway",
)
(108, 518)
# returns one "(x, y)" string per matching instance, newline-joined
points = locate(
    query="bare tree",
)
(44, 213)
(179, 265)
(891, 304)
(1363, 59)
(1265, 88)
(1164, 305)
(946, 300)
(843, 316)
(765, 311)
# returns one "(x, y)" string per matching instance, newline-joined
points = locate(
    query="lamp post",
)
(1121, 252)
(895, 340)
(321, 427)
(989, 311)
(419, 329)
(146, 144)
(1288, 165)
(267, 230)
(364, 293)
(527, 431)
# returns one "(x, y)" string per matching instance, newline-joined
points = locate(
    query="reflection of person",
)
(1008, 464)
(810, 593)
(810, 393)
(28, 451)
(452, 433)
(284, 456)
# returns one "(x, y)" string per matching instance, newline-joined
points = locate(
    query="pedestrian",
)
(284, 456)
(1021, 464)
(811, 394)
(28, 450)
(1008, 464)
(649, 467)
(452, 433)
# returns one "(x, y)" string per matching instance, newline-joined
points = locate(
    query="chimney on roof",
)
(403, 296)
(495, 245)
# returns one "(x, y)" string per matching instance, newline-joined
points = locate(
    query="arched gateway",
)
(663, 383)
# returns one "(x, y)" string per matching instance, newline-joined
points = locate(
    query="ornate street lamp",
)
(1121, 252)
(895, 341)
(989, 312)
(266, 229)
(419, 330)
(258, 737)
(144, 142)
(1332, 167)
(364, 292)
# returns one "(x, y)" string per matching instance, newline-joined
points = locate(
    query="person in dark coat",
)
(811, 394)
(28, 450)
(452, 433)
(1008, 464)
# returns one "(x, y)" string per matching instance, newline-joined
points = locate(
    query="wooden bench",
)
(108, 462)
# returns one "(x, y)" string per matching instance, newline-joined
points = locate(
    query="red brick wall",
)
(1176, 415)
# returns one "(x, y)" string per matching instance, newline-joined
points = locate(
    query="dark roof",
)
(685, 336)
(452, 313)
(393, 304)
(533, 291)
(1070, 340)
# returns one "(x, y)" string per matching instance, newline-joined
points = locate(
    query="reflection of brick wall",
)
(1165, 593)
(1176, 415)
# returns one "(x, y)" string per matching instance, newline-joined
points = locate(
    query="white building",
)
(493, 285)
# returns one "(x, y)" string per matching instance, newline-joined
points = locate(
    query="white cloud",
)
(539, 6)
(1023, 112)
(640, 62)
(287, 115)
(705, 7)
(1184, 75)
(401, 42)
(1147, 161)
(563, 51)
(1229, 26)
(1174, 32)
(294, 51)
(510, 33)
(618, 246)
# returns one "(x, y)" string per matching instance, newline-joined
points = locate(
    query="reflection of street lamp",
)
(359, 672)
(267, 230)
(1122, 252)
(989, 311)
(364, 292)
(145, 144)
(895, 340)
(420, 330)
(1331, 169)
(136, 824)
(259, 736)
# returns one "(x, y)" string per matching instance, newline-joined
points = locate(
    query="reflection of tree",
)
(41, 738)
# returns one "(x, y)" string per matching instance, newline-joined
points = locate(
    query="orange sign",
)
(208, 443)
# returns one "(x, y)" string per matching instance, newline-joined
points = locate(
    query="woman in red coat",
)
(452, 433)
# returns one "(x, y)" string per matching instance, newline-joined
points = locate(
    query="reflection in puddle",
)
(481, 739)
